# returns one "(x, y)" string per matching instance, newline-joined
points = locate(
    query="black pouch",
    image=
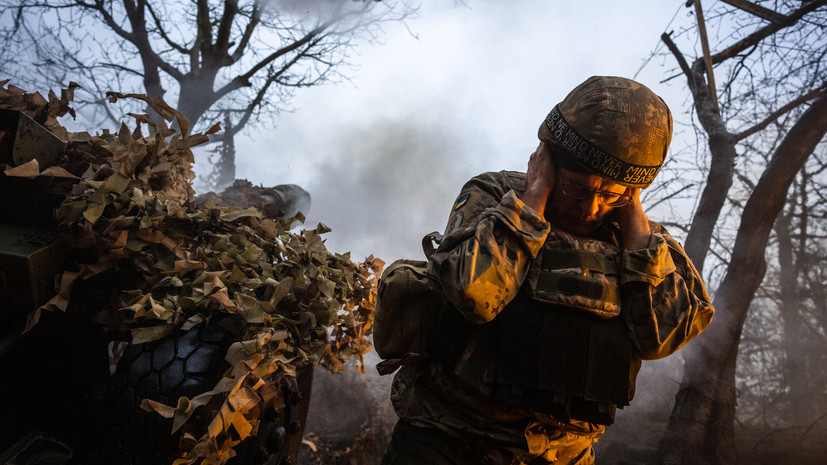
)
(564, 362)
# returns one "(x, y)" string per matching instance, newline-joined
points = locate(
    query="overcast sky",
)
(384, 156)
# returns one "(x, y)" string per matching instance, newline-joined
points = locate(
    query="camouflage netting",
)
(128, 206)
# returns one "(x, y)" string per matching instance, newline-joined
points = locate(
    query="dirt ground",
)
(351, 419)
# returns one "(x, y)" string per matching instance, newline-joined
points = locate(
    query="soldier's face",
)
(580, 216)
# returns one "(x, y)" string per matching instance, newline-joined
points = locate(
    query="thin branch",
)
(125, 69)
(255, 19)
(163, 33)
(263, 91)
(141, 43)
(780, 112)
(107, 18)
(675, 194)
(766, 31)
(243, 80)
(299, 43)
(667, 39)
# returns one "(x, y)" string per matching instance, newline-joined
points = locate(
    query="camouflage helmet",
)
(612, 127)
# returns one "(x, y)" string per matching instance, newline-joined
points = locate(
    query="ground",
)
(350, 419)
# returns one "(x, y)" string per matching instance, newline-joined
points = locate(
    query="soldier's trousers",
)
(413, 445)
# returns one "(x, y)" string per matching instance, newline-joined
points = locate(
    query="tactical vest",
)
(558, 347)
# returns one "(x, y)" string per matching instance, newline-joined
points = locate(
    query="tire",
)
(280, 433)
(184, 364)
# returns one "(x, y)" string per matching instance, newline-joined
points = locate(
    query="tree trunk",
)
(701, 428)
(793, 264)
(197, 95)
(721, 169)
(789, 301)
(225, 166)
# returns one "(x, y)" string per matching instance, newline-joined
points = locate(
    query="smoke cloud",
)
(389, 182)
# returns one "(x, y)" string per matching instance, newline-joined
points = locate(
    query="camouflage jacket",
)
(490, 242)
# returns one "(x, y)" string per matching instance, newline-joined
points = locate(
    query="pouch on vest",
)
(408, 307)
(563, 362)
(562, 350)
(578, 273)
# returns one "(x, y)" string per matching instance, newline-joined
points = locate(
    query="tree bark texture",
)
(701, 427)
(722, 161)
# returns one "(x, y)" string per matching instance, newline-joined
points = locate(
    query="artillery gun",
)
(73, 392)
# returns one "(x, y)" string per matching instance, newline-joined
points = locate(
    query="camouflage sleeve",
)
(489, 242)
(664, 301)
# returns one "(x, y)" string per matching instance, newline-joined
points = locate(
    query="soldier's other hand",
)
(540, 178)
(634, 224)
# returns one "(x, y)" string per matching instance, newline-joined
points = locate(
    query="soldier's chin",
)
(579, 227)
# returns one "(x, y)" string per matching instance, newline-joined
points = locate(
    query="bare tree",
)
(244, 58)
(773, 75)
(801, 266)
(222, 160)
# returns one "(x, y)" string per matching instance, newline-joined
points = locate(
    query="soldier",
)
(560, 286)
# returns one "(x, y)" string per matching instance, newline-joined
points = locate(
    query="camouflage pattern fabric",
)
(430, 396)
(491, 241)
(613, 127)
(414, 445)
(569, 270)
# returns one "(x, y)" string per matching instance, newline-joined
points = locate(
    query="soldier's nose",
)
(590, 205)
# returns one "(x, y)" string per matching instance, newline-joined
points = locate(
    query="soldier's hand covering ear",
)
(540, 178)
(634, 224)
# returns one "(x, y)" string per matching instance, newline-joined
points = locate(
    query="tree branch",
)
(766, 31)
(299, 43)
(136, 13)
(138, 37)
(107, 18)
(122, 68)
(667, 39)
(248, 112)
(243, 80)
(781, 111)
(194, 51)
(222, 36)
(163, 33)
(255, 19)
